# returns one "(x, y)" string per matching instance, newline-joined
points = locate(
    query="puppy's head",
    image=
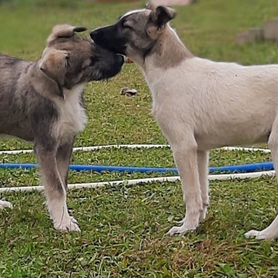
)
(70, 60)
(136, 32)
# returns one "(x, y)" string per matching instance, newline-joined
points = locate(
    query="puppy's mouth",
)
(128, 60)
(111, 70)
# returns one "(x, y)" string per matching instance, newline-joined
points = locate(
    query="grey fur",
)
(42, 102)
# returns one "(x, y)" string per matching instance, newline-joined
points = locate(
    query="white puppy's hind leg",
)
(271, 232)
(186, 161)
(4, 204)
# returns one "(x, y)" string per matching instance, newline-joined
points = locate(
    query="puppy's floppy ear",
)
(64, 31)
(54, 66)
(150, 6)
(161, 15)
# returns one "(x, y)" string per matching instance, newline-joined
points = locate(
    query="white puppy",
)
(199, 104)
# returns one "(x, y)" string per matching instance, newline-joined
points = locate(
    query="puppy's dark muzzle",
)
(120, 60)
(97, 36)
(107, 63)
(110, 38)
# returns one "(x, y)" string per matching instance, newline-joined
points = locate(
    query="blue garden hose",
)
(246, 168)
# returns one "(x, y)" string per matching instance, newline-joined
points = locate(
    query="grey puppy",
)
(42, 102)
(199, 104)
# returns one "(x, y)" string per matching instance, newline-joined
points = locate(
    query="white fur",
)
(72, 118)
(200, 105)
(268, 233)
(133, 12)
(58, 211)
(59, 214)
(216, 100)
(4, 204)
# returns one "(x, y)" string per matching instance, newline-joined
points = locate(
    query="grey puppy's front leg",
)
(63, 157)
(55, 189)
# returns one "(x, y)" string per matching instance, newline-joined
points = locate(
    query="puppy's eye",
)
(126, 25)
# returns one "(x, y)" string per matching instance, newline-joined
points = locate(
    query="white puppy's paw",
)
(4, 204)
(187, 226)
(202, 216)
(181, 221)
(68, 224)
(179, 231)
(203, 213)
(251, 233)
(261, 235)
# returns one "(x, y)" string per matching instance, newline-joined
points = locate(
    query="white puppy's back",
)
(225, 103)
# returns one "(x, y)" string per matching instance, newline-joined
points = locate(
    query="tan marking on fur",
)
(63, 30)
(168, 51)
(53, 64)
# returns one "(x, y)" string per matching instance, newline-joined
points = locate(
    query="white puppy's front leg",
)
(186, 161)
(203, 158)
(271, 232)
(4, 204)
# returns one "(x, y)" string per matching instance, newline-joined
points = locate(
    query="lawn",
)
(124, 228)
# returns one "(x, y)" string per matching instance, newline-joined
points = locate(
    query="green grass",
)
(123, 228)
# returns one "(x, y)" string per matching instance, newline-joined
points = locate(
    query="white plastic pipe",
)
(246, 149)
(137, 181)
(141, 181)
(96, 148)
(135, 146)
